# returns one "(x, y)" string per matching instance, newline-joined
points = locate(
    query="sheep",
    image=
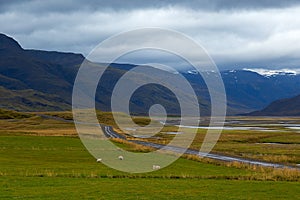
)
(99, 159)
(155, 167)
(121, 157)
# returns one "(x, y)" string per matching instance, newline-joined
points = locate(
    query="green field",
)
(126, 188)
(44, 159)
(35, 167)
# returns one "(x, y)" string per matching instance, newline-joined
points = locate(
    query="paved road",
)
(110, 133)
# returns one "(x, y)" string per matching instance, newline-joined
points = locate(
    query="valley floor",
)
(44, 159)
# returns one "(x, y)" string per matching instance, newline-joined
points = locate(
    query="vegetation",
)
(35, 165)
(9, 114)
(141, 121)
(130, 146)
(260, 145)
(60, 167)
(280, 146)
(143, 188)
(37, 125)
(29, 100)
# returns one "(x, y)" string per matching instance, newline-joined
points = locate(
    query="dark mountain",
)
(31, 100)
(41, 80)
(8, 44)
(256, 91)
(34, 80)
(248, 91)
(61, 58)
(282, 107)
(20, 70)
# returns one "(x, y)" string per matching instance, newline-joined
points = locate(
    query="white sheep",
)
(99, 159)
(155, 167)
(121, 157)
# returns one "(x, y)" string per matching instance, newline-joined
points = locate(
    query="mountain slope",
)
(31, 100)
(20, 70)
(282, 107)
(34, 80)
(249, 90)
(257, 91)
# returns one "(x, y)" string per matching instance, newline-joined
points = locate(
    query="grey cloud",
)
(40, 6)
(235, 33)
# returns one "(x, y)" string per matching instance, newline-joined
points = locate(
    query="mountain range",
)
(282, 107)
(35, 80)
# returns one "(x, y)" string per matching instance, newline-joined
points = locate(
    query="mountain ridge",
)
(281, 107)
(51, 74)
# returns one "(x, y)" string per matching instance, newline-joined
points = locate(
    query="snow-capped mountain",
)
(272, 72)
(253, 89)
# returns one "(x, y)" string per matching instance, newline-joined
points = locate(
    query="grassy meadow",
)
(44, 159)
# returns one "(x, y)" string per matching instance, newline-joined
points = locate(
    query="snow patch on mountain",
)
(192, 71)
(274, 72)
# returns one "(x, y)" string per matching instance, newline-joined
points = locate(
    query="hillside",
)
(28, 81)
(35, 80)
(282, 107)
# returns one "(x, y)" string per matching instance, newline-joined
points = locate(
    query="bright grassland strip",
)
(128, 188)
(35, 167)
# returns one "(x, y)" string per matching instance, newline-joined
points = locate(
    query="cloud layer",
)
(236, 34)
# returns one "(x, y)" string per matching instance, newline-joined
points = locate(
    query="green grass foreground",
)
(44, 167)
(126, 188)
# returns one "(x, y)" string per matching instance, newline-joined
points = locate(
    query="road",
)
(109, 132)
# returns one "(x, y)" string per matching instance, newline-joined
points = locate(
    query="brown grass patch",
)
(261, 173)
(130, 146)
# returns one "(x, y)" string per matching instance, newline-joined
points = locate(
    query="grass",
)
(29, 100)
(130, 146)
(250, 144)
(32, 124)
(103, 117)
(9, 114)
(240, 143)
(126, 188)
(37, 164)
(45, 167)
(66, 156)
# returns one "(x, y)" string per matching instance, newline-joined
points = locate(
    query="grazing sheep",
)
(99, 159)
(155, 167)
(121, 157)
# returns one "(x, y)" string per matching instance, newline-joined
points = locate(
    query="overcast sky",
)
(237, 34)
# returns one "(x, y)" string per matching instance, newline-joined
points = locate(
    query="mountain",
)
(256, 90)
(35, 80)
(248, 90)
(28, 80)
(282, 107)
